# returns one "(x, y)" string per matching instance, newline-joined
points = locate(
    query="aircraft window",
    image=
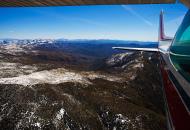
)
(185, 36)
(180, 49)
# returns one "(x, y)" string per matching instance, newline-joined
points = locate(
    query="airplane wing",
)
(137, 49)
(164, 41)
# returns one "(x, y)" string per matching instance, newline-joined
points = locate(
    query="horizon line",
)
(74, 39)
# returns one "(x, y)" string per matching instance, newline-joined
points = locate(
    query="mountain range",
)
(79, 84)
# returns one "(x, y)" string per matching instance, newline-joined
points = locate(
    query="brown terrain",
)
(46, 87)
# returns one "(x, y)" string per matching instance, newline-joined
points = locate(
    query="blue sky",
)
(123, 22)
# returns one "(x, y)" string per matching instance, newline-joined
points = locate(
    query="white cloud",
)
(177, 21)
(133, 12)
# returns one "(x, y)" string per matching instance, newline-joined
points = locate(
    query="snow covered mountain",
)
(48, 84)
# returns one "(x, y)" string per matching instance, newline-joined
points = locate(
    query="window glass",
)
(180, 49)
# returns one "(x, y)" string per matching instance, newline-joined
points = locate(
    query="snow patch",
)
(56, 76)
(38, 125)
(60, 114)
(8, 69)
(117, 58)
(133, 77)
(92, 76)
(139, 65)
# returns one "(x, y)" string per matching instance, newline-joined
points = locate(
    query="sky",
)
(118, 22)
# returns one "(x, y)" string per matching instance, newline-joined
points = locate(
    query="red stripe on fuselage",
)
(179, 115)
